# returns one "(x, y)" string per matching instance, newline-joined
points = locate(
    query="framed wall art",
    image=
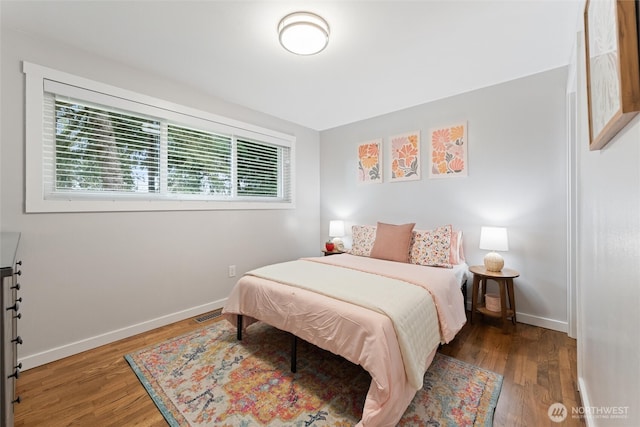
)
(613, 68)
(370, 162)
(448, 151)
(405, 157)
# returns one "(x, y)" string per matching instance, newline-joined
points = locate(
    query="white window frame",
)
(38, 76)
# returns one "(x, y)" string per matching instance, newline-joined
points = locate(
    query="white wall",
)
(90, 278)
(517, 179)
(608, 268)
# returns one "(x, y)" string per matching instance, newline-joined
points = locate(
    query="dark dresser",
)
(10, 369)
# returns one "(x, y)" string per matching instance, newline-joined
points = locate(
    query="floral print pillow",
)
(431, 247)
(363, 237)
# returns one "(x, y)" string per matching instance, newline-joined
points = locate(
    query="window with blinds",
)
(104, 148)
(96, 151)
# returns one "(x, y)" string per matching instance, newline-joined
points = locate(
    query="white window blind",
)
(103, 148)
(257, 163)
(98, 151)
(199, 162)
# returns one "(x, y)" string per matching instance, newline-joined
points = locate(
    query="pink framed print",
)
(405, 157)
(370, 162)
(448, 151)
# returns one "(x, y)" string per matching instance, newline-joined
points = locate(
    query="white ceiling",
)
(383, 56)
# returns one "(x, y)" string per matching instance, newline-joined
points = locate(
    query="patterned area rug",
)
(209, 378)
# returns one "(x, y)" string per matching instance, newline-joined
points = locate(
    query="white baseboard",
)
(33, 360)
(584, 397)
(543, 322)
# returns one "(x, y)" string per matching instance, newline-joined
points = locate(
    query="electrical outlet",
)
(232, 271)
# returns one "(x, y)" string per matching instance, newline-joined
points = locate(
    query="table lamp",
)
(494, 239)
(336, 230)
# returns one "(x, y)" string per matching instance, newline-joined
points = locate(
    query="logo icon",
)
(557, 412)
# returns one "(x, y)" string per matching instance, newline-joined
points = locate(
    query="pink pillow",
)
(461, 257)
(392, 242)
(456, 253)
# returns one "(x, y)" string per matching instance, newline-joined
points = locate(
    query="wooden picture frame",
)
(613, 67)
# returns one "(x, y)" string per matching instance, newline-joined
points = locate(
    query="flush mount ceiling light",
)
(303, 33)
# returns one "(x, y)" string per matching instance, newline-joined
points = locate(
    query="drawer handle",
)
(15, 307)
(17, 400)
(18, 316)
(15, 375)
(16, 287)
(17, 340)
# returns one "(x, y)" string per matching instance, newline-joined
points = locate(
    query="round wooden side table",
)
(505, 284)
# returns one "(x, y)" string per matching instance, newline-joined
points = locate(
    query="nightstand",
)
(327, 253)
(505, 283)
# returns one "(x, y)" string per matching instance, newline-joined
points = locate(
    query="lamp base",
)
(339, 243)
(493, 261)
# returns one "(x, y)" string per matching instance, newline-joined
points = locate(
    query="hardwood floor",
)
(539, 368)
(98, 388)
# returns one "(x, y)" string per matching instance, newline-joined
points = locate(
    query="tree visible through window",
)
(199, 162)
(98, 150)
(257, 169)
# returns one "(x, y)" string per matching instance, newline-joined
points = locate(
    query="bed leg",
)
(463, 288)
(294, 353)
(239, 325)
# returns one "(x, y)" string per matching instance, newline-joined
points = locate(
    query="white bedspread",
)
(442, 283)
(409, 307)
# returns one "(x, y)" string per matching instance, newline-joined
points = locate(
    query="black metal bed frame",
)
(294, 344)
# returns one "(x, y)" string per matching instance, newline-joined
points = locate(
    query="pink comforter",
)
(360, 335)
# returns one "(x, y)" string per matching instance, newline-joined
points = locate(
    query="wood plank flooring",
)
(539, 368)
(98, 388)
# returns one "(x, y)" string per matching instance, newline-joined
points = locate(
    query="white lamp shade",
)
(336, 228)
(494, 239)
(303, 33)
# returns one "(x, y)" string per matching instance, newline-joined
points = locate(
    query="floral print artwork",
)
(405, 157)
(449, 151)
(370, 162)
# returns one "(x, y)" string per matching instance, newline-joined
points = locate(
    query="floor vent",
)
(208, 316)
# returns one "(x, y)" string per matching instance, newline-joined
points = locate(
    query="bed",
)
(386, 315)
